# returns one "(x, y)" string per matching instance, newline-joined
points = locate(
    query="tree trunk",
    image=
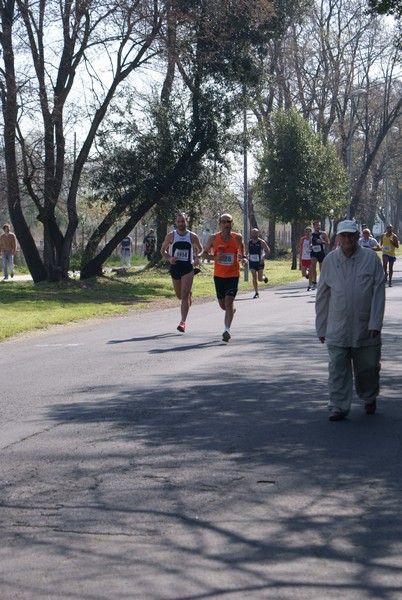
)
(10, 114)
(296, 230)
(161, 231)
(92, 263)
(271, 236)
(251, 212)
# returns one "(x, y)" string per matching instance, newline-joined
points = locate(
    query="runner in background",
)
(258, 251)
(389, 242)
(305, 255)
(368, 241)
(319, 243)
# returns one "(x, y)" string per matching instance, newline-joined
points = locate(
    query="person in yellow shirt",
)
(389, 242)
(8, 246)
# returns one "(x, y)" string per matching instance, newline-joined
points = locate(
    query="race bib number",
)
(181, 254)
(255, 257)
(317, 248)
(225, 259)
(387, 248)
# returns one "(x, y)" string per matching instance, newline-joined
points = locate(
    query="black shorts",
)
(318, 255)
(226, 286)
(179, 269)
(257, 266)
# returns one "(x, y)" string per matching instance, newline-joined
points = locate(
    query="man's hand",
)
(373, 333)
(322, 340)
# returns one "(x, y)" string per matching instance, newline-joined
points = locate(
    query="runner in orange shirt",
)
(226, 249)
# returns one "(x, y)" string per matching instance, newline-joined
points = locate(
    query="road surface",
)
(141, 464)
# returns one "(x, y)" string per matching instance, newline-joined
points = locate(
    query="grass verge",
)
(25, 306)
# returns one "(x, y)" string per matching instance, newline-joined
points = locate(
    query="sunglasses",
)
(226, 221)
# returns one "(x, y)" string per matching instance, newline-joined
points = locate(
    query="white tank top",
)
(306, 250)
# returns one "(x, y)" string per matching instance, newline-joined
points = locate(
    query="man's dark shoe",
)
(337, 415)
(370, 408)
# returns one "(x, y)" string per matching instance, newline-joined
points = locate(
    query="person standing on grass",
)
(258, 252)
(8, 246)
(126, 248)
(178, 248)
(224, 248)
(149, 243)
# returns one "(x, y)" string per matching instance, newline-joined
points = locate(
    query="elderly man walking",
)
(350, 306)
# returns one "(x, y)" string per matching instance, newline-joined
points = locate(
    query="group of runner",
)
(312, 248)
(183, 250)
(314, 244)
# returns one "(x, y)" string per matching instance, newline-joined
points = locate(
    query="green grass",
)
(25, 306)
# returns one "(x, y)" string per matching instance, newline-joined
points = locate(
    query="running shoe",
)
(265, 279)
(309, 288)
(313, 287)
(225, 336)
(181, 327)
(256, 295)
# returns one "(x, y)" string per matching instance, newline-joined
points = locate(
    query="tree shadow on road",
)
(234, 480)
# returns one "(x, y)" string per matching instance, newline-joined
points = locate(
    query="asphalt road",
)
(141, 464)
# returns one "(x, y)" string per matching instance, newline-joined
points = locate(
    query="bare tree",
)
(339, 67)
(53, 52)
(64, 62)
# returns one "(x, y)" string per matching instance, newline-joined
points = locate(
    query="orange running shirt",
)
(226, 257)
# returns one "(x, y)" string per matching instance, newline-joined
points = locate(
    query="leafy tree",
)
(386, 7)
(321, 66)
(161, 167)
(166, 161)
(63, 64)
(300, 178)
(51, 52)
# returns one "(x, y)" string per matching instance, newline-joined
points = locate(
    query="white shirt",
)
(350, 299)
